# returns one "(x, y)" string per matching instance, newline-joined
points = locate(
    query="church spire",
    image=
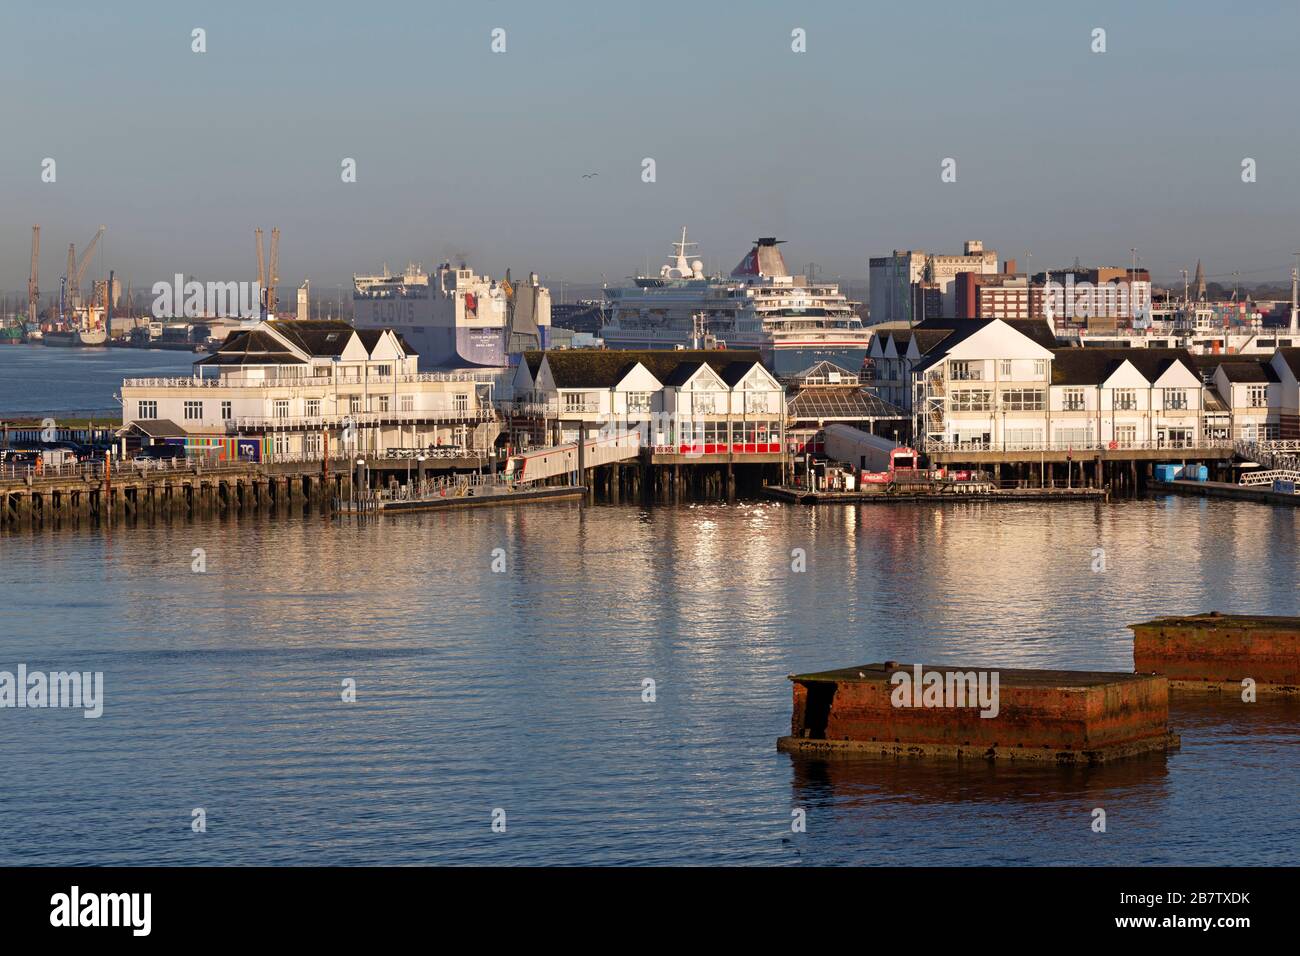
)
(1199, 282)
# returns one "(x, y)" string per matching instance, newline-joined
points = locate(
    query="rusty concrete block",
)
(1057, 716)
(1219, 651)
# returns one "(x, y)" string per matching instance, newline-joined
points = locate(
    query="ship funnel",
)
(764, 259)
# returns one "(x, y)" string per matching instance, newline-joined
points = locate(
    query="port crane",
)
(267, 278)
(33, 290)
(77, 267)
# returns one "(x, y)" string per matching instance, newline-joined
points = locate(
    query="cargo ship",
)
(455, 318)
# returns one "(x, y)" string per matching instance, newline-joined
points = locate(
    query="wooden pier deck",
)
(85, 492)
(879, 496)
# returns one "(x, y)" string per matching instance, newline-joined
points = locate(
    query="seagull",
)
(589, 175)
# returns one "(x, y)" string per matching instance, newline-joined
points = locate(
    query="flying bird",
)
(589, 175)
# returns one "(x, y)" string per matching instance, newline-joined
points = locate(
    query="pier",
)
(90, 492)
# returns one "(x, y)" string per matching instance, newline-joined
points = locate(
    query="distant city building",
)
(908, 286)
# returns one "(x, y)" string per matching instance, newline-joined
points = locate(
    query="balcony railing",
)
(313, 381)
(358, 419)
(1155, 444)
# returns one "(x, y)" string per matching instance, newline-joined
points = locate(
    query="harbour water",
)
(523, 689)
(38, 379)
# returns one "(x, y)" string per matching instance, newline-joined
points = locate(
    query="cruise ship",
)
(454, 318)
(794, 323)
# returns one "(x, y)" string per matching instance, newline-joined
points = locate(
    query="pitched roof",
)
(839, 403)
(317, 336)
(945, 334)
(1292, 359)
(1248, 371)
(157, 427)
(251, 347)
(822, 373)
(605, 368)
(1089, 366)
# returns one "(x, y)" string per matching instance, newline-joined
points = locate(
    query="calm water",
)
(42, 378)
(522, 690)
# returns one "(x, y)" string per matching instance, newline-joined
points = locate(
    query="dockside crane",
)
(33, 290)
(274, 276)
(78, 272)
(261, 276)
(267, 277)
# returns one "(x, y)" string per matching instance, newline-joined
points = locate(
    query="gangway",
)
(1268, 477)
(563, 459)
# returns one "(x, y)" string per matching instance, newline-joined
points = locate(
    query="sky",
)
(462, 152)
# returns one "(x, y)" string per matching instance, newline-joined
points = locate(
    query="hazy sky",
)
(1060, 151)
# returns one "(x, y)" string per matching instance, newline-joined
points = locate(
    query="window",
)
(1257, 396)
(148, 410)
(406, 403)
(1126, 435)
(281, 443)
(638, 401)
(1072, 400)
(193, 411)
(312, 444)
(354, 403)
(313, 407)
(383, 402)
(281, 408)
(755, 402)
(706, 403)
(1006, 368)
(972, 400)
(384, 370)
(964, 371)
(1074, 437)
(1040, 368)
(461, 402)
(1023, 400)
(1176, 399)
(1125, 399)
(226, 412)
(715, 433)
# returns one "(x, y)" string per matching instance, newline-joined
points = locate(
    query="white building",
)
(290, 389)
(990, 386)
(719, 400)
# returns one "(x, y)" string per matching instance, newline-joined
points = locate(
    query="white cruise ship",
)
(455, 318)
(794, 323)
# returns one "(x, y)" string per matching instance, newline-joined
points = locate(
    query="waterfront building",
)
(895, 351)
(992, 386)
(288, 389)
(722, 397)
(1125, 398)
(1285, 363)
(1247, 391)
(827, 394)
